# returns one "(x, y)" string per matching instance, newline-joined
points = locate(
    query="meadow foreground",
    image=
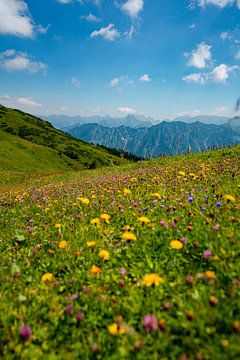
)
(135, 262)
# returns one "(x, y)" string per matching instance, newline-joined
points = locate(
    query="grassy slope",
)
(29, 144)
(202, 320)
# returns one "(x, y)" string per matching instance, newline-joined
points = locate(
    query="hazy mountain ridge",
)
(164, 138)
(64, 122)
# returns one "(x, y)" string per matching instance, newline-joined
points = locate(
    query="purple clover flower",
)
(25, 332)
(218, 204)
(207, 254)
(150, 323)
(74, 297)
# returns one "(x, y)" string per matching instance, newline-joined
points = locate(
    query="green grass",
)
(29, 145)
(196, 307)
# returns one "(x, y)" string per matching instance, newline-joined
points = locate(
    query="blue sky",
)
(93, 57)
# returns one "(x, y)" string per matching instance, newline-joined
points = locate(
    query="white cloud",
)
(198, 78)
(145, 78)
(221, 109)
(237, 55)
(75, 81)
(220, 74)
(191, 113)
(201, 56)
(133, 7)
(29, 102)
(12, 60)
(24, 103)
(219, 3)
(124, 79)
(64, 1)
(15, 18)
(90, 18)
(225, 35)
(127, 110)
(109, 33)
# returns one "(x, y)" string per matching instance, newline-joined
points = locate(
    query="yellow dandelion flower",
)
(156, 195)
(63, 244)
(47, 277)
(115, 330)
(57, 226)
(84, 200)
(105, 217)
(175, 244)
(91, 243)
(128, 236)
(104, 255)
(95, 270)
(182, 173)
(210, 275)
(143, 219)
(230, 198)
(152, 279)
(126, 191)
(95, 221)
(225, 343)
(78, 253)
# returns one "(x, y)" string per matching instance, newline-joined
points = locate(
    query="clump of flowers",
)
(152, 279)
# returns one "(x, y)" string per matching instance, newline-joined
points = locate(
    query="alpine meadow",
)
(119, 180)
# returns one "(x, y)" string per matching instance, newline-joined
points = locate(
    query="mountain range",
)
(64, 122)
(162, 139)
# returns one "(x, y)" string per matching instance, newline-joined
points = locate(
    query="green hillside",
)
(29, 145)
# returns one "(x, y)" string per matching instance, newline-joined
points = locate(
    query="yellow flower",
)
(225, 343)
(156, 195)
(175, 244)
(115, 330)
(144, 219)
(152, 279)
(91, 243)
(47, 277)
(57, 226)
(95, 270)
(95, 221)
(230, 198)
(105, 217)
(182, 173)
(210, 275)
(104, 255)
(128, 236)
(84, 200)
(126, 191)
(63, 244)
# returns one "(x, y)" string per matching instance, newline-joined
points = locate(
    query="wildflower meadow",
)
(139, 261)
